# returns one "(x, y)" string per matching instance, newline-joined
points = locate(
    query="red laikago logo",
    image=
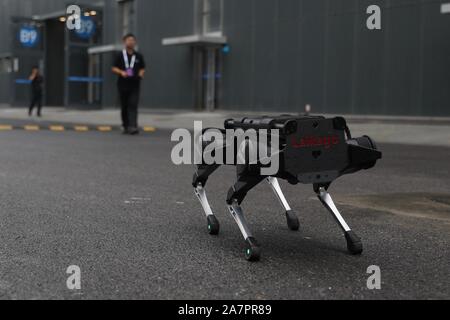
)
(311, 141)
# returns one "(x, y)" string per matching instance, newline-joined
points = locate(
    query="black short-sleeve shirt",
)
(36, 84)
(131, 82)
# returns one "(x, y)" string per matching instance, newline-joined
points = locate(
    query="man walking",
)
(129, 65)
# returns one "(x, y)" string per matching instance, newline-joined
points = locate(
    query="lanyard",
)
(129, 65)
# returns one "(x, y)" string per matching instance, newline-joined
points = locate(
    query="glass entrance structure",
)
(72, 76)
(207, 42)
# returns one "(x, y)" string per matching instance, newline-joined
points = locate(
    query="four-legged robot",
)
(312, 150)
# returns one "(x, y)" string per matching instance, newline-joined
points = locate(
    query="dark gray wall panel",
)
(402, 82)
(265, 55)
(287, 83)
(339, 60)
(313, 53)
(435, 62)
(169, 82)
(370, 51)
(238, 67)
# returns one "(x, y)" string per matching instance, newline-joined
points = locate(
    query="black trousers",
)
(36, 100)
(129, 100)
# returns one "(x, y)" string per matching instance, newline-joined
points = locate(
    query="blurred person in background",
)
(36, 91)
(129, 65)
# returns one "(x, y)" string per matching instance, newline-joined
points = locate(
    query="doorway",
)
(54, 62)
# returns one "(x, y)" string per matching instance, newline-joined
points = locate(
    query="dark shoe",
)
(134, 131)
(125, 131)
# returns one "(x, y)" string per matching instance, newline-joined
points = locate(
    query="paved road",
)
(117, 207)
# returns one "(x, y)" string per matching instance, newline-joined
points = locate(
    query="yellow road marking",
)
(5, 128)
(149, 129)
(104, 128)
(32, 128)
(60, 128)
(57, 128)
(81, 128)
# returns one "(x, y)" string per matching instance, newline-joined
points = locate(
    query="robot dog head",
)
(321, 150)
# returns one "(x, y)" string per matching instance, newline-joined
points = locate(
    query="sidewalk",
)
(398, 130)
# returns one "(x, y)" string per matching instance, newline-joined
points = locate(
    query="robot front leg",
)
(252, 251)
(354, 243)
(235, 197)
(213, 223)
(200, 178)
(292, 219)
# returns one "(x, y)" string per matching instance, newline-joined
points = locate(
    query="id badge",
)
(130, 72)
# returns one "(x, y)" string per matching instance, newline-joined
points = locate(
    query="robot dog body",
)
(312, 150)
